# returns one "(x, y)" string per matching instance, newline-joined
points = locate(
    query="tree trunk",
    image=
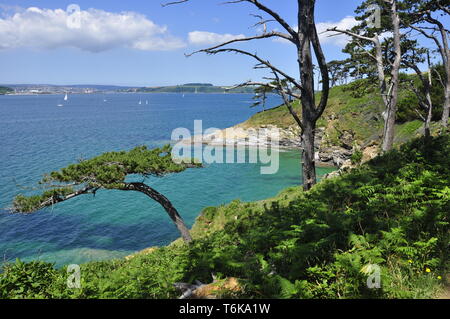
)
(427, 86)
(309, 166)
(446, 61)
(428, 121)
(444, 50)
(165, 203)
(446, 110)
(389, 130)
(305, 34)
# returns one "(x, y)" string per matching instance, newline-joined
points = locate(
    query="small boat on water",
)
(65, 99)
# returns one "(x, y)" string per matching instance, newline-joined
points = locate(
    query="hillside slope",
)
(352, 123)
(389, 218)
(194, 88)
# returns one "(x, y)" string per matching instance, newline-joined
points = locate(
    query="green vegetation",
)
(392, 212)
(408, 100)
(195, 88)
(346, 111)
(356, 157)
(357, 108)
(5, 90)
(109, 171)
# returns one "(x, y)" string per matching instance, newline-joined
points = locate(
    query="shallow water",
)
(37, 137)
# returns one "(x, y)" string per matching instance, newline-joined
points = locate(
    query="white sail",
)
(66, 97)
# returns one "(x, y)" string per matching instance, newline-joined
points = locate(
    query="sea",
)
(38, 135)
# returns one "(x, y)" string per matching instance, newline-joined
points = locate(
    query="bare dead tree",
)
(289, 87)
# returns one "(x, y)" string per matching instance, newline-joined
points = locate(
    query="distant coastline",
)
(192, 88)
(38, 89)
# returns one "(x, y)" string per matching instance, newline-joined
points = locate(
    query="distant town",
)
(33, 89)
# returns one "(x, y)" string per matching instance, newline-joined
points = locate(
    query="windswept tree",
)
(423, 16)
(376, 18)
(303, 36)
(108, 171)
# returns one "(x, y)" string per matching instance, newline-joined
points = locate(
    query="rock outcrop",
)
(337, 153)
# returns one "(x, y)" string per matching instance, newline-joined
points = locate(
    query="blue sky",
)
(140, 43)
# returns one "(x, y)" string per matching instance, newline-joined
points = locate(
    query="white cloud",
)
(338, 40)
(209, 38)
(98, 31)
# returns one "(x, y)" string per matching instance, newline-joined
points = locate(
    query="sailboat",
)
(146, 102)
(65, 99)
(140, 102)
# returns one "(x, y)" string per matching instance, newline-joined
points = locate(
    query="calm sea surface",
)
(37, 136)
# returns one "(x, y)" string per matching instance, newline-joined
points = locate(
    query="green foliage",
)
(107, 171)
(112, 167)
(5, 90)
(26, 280)
(356, 157)
(392, 212)
(355, 107)
(29, 204)
(361, 88)
(139, 277)
(408, 101)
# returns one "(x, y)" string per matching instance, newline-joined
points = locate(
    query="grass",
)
(359, 114)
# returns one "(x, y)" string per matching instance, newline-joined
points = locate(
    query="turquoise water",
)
(37, 136)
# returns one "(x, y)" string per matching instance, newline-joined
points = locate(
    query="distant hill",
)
(5, 90)
(194, 88)
(78, 86)
(198, 84)
(95, 88)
